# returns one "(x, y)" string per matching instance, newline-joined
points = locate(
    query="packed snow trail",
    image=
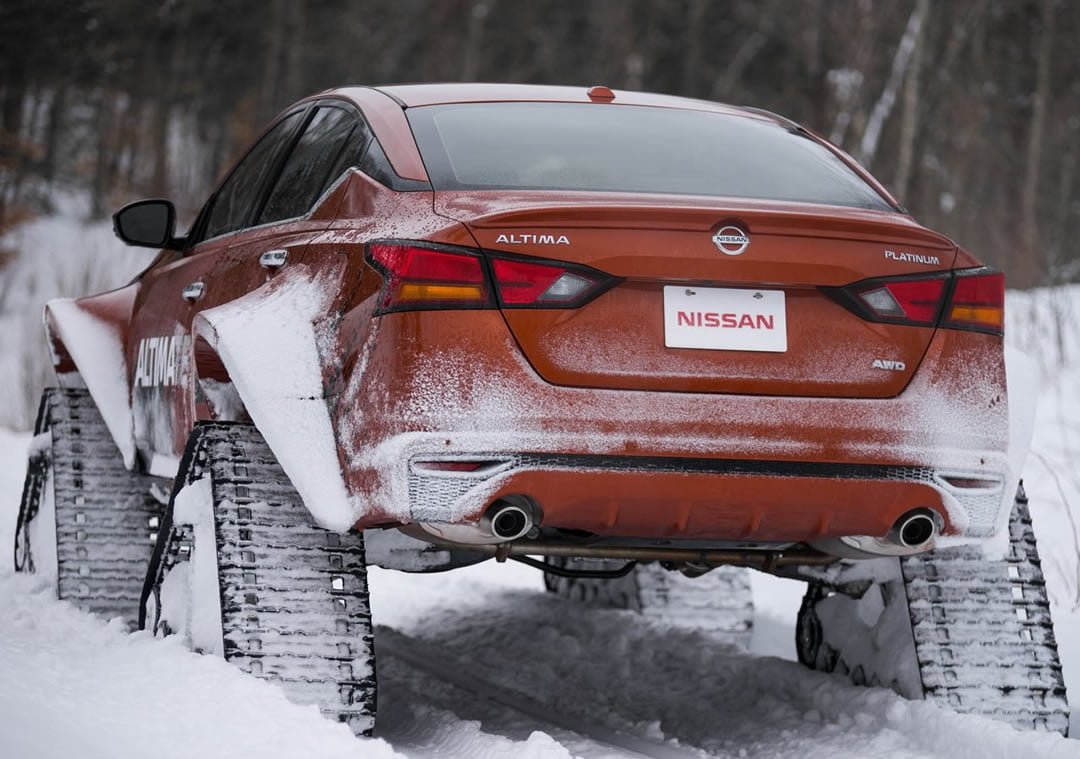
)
(613, 669)
(429, 661)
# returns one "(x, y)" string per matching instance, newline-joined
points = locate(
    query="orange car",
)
(467, 321)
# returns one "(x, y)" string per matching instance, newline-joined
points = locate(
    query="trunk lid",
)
(663, 250)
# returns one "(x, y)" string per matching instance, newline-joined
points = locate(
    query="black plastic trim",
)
(820, 470)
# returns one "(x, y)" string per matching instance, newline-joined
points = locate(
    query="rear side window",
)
(236, 200)
(319, 157)
(623, 148)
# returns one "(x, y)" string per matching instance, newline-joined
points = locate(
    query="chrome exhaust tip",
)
(912, 533)
(508, 519)
(914, 529)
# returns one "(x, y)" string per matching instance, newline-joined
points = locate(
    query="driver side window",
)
(241, 192)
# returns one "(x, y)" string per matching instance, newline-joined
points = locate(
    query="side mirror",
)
(148, 223)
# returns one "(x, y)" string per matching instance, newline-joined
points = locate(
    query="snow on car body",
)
(537, 320)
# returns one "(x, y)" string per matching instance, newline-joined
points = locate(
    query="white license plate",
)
(721, 318)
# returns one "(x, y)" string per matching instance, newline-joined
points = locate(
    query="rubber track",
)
(104, 514)
(983, 634)
(983, 637)
(294, 596)
(719, 601)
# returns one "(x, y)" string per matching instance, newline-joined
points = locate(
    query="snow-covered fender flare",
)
(86, 338)
(273, 344)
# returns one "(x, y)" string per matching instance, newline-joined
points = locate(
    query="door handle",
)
(273, 259)
(193, 291)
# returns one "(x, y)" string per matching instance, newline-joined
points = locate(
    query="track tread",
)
(294, 598)
(719, 601)
(982, 632)
(104, 535)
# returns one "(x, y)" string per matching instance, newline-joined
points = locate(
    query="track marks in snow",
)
(616, 670)
(426, 659)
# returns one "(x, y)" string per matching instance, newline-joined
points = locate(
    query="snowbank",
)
(73, 685)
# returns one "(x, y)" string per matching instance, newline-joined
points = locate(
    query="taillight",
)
(908, 301)
(977, 302)
(972, 299)
(426, 276)
(548, 284)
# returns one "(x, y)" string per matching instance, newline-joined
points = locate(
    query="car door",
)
(294, 210)
(181, 284)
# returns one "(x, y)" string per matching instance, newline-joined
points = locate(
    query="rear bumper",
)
(708, 499)
(665, 464)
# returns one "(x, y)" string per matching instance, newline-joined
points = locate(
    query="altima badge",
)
(731, 240)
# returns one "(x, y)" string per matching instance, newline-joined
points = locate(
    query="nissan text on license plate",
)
(720, 318)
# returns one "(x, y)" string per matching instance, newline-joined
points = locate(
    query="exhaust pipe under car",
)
(914, 532)
(914, 529)
(506, 520)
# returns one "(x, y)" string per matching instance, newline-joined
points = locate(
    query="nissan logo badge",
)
(731, 240)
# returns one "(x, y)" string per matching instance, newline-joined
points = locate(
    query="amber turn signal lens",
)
(415, 292)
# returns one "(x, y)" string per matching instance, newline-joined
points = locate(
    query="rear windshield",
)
(623, 148)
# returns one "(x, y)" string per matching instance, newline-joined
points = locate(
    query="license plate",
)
(727, 319)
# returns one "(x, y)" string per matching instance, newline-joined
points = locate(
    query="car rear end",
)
(677, 329)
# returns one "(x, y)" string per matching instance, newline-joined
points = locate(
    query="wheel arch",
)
(270, 345)
(87, 338)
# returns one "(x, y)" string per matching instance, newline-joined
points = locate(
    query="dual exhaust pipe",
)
(914, 529)
(509, 519)
(914, 532)
(516, 517)
(506, 520)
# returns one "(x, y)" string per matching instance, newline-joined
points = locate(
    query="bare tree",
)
(1029, 192)
(872, 134)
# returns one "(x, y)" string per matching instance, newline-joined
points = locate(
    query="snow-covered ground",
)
(523, 674)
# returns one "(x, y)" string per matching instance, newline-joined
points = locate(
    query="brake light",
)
(977, 302)
(972, 299)
(423, 277)
(426, 276)
(910, 301)
(528, 283)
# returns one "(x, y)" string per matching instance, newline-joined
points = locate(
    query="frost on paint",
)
(268, 342)
(948, 423)
(96, 346)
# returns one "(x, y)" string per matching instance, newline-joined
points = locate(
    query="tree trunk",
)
(692, 48)
(474, 40)
(909, 116)
(1029, 194)
(901, 61)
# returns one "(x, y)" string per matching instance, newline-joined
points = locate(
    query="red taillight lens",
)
(422, 277)
(907, 301)
(977, 302)
(528, 283)
(426, 276)
(972, 299)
